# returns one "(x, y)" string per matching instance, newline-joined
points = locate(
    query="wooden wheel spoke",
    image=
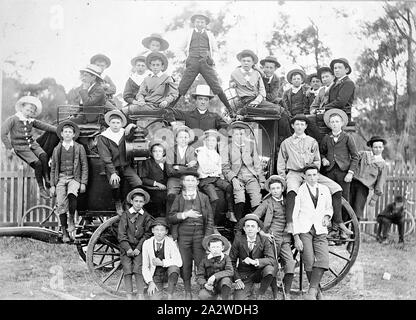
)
(333, 272)
(339, 256)
(119, 281)
(102, 257)
(108, 243)
(106, 253)
(348, 222)
(111, 272)
(106, 263)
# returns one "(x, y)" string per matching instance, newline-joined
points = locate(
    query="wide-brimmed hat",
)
(159, 221)
(32, 100)
(272, 179)
(158, 142)
(210, 132)
(248, 52)
(300, 117)
(67, 123)
(215, 236)
(292, 72)
(94, 70)
(250, 216)
(202, 90)
(159, 55)
(330, 112)
(164, 45)
(137, 58)
(200, 15)
(270, 59)
(187, 129)
(310, 76)
(117, 113)
(343, 61)
(100, 56)
(376, 139)
(133, 192)
(322, 70)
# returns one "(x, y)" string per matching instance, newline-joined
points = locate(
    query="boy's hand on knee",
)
(163, 104)
(239, 284)
(298, 243)
(372, 203)
(209, 286)
(326, 221)
(151, 290)
(130, 253)
(10, 153)
(114, 179)
(136, 252)
(52, 191)
(83, 188)
(348, 177)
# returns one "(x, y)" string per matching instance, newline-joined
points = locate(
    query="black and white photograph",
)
(225, 152)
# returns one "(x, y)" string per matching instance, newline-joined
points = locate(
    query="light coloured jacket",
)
(305, 215)
(172, 257)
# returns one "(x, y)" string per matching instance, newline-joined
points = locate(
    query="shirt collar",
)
(296, 90)
(132, 211)
(210, 256)
(202, 31)
(189, 195)
(67, 145)
(161, 242)
(295, 136)
(315, 186)
(336, 134)
(339, 80)
(249, 240)
(247, 72)
(202, 112)
(91, 86)
(182, 148)
(239, 145)
(21, 117)
(159, 74)
(278, 200)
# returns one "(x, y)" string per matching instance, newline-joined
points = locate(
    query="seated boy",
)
(210, 173)
(133, 230)
(153, 173)
(69, 174)
(271, 82)
(311, 218)
(21, 142)
(157, 90)
(242, 168)
(338, 151)
(161, 261)
(111, 145)
(135, 80)
(250, 87)
(215, 271)
(256, 262)
(180, 158)
(273, 209)
(108, 85)
(314, 83)
(192, 219)
(321, 98)
(393, 213)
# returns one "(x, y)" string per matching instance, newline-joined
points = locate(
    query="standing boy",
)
(161, 261)
(255, 258)
(192, 219)
(295, 99)
(215, 271)
(111, 145)
(271, 82)
(327, 77)
(133, 230)
(311, 218)
(69, 175)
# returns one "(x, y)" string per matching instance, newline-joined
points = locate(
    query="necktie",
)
(159, 246)
(251, 244)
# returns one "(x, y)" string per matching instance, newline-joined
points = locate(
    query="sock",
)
(337, 205)
(64, 221)
(225, 292)
(128, 283)
(290, 205)
(309, 275)
(172, 281)
(37, 165)
(265, 283)
(224, 100)
(229, 197)
(139, 283)
(187, 285)
(316, 277)
(116, 194)
(239, 210)
(72, 199)
(43, 157)
(287, 282)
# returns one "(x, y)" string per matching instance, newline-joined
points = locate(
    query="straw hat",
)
(294, 71)
(272, 179)
(67, 123)
(93, 69)
(133, 192)
(138, 58)
(248, 52)
(32, 100)
(159, 55)
(164, 45)
(100, 56)
(343, 61)
(215, 236)
(270, 59)
(200, 15)
(328, 114)
(118, 113)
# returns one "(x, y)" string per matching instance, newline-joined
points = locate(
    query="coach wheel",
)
(342, 255)
(45, 214)
(103, 258)
(409, 223)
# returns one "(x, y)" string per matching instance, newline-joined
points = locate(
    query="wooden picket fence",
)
(19, 191)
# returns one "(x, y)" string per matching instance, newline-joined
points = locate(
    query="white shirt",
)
(247, 73)
(280, 199)
(297, 139)
(336, 136)
(67, 145)
(114, 136)
(209, 162)
(138, 78)
(202, 31)
(133, 211)
(182, 151)
(295, 90)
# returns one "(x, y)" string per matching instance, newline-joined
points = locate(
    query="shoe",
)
(170, 296)
(345, 230)
(231, 216)
(188, 295)
(65, 236)
(287, 296)
(43, 193)
(129, 296)
(119, 208)
(319, 295)
(311, 295)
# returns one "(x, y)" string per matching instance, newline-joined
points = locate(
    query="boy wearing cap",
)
(295, 99)
(296, 153)
(256, 262)
(273, 209)
(135, 80)
(21, 143)
(133, 230)
(215, 271)
(161, 261)
(200, 49)
(69, 175)
(341, 94)
(393, 213)
(242, 168)
(271, 81)
(157, 90)
(179, 159)
(108, 85)
(111, 145)
(192, 219)
(210, 173)
(338, 151)
(311, 217)
(327, 77)
(314, 83)
(371, 174)
(154, 176)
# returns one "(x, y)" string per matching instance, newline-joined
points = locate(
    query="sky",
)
(59, 37)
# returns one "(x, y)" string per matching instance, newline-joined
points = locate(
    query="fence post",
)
(20, 187)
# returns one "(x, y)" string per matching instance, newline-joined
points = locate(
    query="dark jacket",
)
(113, 155)
(287, 102)
(274, 90)
(133, 231)
(344, 153)
(341, 95)
(172, 158)
(151, 172)
(194, 119)
(265, 209)
(220, 269)
(131, 89)
(392, 212)
(239, 251)
(204, 208)
(90, 99)
(80, 164)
